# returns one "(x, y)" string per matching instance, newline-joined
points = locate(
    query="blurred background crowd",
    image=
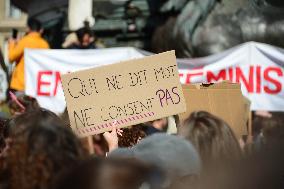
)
(38, 150)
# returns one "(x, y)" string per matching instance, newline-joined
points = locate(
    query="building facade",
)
(10, 18)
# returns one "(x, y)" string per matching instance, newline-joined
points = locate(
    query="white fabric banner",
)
(43, 69)
(258, 67)
(3, 85)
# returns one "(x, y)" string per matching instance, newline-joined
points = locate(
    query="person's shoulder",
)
(25, 38)
(44, 43)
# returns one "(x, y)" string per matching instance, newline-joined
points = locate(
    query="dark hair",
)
(34, 24)
(110, 173)
(37, 117)
(211, 136)
(83, 31)
(2, 135)
(65, 117)
(272, 128)
(131, 136)
(41, 151)
(29, 103)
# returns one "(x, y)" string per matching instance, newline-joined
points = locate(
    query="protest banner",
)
(44, 67)
(123, 94)
(224, 100)
(3, 85)
(258, 67)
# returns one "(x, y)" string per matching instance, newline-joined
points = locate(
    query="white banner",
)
(3, 85)
(44, 67)
(258, 67)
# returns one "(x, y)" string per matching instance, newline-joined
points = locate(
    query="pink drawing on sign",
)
(114, 123)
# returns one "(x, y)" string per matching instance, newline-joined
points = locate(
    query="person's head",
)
(21, 103)
(174, 156)
(34, 25)
(131, 136)
(40, 116)
(85, 36)
(41, 151)
(212, 137)
(18, 124)
(110, 173)
(272, 128)
(65, 117)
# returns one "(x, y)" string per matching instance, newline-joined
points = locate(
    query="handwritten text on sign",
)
(124, 94)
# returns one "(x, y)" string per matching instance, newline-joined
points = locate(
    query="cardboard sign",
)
(224, 100)
(123, 94)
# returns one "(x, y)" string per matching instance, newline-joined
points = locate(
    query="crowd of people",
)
(83, 38)
(38, 149)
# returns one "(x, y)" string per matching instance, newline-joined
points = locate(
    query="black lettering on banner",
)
(78, 92)
(164, 72)
(83, 118)
(138, 78)
(113, 82)
(77, 117)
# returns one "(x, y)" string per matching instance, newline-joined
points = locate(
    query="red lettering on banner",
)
(57, 81)
(277, 84)
(240, 77)
(258, 79)
(220, 76)
(231, 74)
(190, 75)
(41, 83)
(252, 79)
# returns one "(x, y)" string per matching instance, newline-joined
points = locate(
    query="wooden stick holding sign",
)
(127, 93)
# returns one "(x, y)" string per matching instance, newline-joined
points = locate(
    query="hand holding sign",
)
(130, 92)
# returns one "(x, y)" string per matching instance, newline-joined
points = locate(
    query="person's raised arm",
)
(112, 138)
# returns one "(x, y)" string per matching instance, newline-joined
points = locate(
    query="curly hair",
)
(40, 152)
(131, 136)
